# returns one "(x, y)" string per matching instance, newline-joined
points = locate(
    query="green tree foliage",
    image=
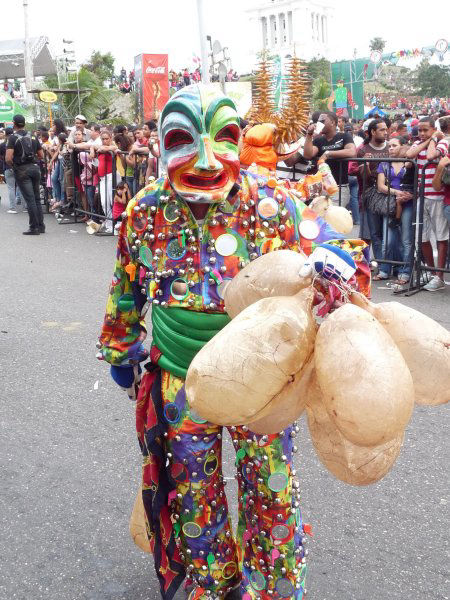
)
(102, 65)
(377, 43)
(319, 68)
(432, 80)
(97, 104)
(321, 91)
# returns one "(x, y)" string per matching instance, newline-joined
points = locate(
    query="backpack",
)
(23, 150)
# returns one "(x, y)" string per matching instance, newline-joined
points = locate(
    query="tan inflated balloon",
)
(356, 465)
(138, 528)
(287, 406)
(242, 368)
(339, 218)
(272, 274)
(367, 387)
(424, 344)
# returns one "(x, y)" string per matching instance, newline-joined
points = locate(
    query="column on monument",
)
(273, 33)
(290, 35)
(263, 21)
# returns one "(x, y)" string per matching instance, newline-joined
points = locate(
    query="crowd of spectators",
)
(97, 169)
(90, 167)
(379, 194)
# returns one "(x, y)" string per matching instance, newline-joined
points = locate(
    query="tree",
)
(319, 68)
(97, 104)
(321, 91)
(377, 43)
(432, 80)
(102, 65)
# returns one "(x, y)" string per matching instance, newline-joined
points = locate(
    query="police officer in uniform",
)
(22, 152)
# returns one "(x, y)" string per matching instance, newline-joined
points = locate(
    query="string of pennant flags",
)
(439, 49)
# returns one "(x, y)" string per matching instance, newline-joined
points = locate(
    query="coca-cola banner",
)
(152, 82)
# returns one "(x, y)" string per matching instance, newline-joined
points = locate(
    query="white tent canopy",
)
(12, 59)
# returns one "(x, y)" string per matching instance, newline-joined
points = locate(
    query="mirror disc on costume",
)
(280, 532)
(195, 417)
(278, 482)
(146, 255)
(170, 212)
(139, 222)
(172, 412)
(179, 472)
(226, 244)
(268, 208)
(126, 303)
(179, 289)
(309, 229)
(192, 530)
(257, 580)
(229, 570)
(174, 250)
(222, 287)
(211, 464)
(284, 588)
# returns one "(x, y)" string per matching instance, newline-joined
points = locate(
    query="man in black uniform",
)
(22, 150)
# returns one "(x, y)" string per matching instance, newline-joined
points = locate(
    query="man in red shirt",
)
(431, 146)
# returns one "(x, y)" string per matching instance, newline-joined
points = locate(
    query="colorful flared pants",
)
(267, 558)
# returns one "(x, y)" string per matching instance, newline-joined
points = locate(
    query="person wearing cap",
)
(21, 153)
(14, 195)
(80, 125)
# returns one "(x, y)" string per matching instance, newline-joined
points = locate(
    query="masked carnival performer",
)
(182, 239)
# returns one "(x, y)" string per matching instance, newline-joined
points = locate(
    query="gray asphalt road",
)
(70, 461)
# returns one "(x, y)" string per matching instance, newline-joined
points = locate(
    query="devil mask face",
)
(199, 134)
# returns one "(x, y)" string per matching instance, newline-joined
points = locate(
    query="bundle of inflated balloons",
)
(357, 374)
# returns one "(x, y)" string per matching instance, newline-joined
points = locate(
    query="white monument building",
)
(284, 26)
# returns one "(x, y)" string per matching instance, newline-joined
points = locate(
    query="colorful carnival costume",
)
(180, 267)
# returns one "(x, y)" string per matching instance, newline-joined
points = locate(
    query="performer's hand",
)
(128, 377)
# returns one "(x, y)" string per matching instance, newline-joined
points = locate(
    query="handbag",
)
(380, 203)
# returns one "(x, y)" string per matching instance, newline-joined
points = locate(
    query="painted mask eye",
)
(177, 137)
(230, 133)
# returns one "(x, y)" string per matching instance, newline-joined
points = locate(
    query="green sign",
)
(347, 79)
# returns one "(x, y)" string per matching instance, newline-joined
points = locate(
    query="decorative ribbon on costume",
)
(157, 484)
(179, 334)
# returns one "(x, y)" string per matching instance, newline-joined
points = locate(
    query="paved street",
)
(71, 464)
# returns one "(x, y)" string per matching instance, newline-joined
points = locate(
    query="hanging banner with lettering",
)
(155, 84)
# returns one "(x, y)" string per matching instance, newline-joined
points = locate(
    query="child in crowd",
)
(121, 198)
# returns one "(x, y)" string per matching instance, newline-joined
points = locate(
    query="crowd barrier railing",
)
(94, 189)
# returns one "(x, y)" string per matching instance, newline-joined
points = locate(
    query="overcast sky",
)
(131, 27)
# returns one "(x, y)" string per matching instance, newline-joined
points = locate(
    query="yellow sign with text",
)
(47, 96)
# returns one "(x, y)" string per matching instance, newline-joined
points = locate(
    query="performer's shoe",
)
(31, 232)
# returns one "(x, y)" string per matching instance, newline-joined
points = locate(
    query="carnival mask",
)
(199, 133)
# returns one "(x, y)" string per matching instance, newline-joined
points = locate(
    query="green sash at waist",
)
(180, 334)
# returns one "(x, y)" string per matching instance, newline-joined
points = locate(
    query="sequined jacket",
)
(164, 256)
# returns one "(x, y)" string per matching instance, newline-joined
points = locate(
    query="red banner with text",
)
(155, 84)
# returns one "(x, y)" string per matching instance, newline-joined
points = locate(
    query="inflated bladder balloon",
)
(138, 528)
(244, 366)
(338, 217)
(286, 406)
(272, 274)
(367, 387)
(424, 344)
(356, 465)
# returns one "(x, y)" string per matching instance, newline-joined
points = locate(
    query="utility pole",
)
(203, 48)
(28, 63)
